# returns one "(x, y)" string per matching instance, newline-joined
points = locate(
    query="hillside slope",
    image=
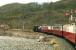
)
(16, 15)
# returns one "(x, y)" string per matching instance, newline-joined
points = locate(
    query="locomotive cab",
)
(35, 28)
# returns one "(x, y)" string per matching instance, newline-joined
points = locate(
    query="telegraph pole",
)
(71, 16)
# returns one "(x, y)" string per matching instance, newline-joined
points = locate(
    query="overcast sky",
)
(3, 2)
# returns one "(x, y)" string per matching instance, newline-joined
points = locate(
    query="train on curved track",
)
(68, 31)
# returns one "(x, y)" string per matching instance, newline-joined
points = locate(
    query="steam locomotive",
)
(68, 31)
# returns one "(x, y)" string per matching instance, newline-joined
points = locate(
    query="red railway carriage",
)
(57, 30)
(45, 29)
(69, 32)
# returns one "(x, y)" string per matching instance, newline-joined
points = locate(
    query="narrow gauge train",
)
(67, 31)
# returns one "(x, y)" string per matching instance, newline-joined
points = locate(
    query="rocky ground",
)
(14, 43)
(20, 40)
